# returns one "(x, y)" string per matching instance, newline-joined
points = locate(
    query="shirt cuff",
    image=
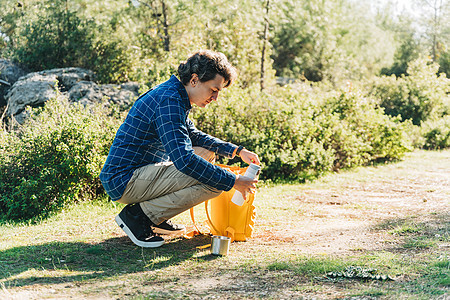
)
(229, 150)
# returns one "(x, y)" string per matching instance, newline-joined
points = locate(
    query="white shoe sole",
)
(133, 238)
(168, 232)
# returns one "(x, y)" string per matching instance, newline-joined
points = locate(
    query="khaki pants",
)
(164, 192)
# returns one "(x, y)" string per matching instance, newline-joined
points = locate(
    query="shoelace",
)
(172, 225)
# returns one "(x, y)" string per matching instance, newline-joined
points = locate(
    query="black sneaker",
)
(167, 227)
(137, 226)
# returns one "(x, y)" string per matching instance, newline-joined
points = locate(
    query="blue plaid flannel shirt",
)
(157, 129)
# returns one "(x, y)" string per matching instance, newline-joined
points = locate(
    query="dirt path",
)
(343, 215)
(339, 215)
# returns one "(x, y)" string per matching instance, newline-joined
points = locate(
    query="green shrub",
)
(274, 126)
(112, 61)
(436, 133)
(53, 38)
(303, 134)
(54, 159)
(419, 96)
(359, 132)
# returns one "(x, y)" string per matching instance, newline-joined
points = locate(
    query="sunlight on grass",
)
(85, 222)
(44, 275)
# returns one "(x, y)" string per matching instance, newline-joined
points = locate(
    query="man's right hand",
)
(245, 185)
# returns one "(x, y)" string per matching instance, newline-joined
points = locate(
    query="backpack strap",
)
(209, 219)
(195, 232)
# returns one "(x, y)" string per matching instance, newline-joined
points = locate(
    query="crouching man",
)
(161, 165)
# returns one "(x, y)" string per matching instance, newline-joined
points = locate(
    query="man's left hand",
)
(249, 157)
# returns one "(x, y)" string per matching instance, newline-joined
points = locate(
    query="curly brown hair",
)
(207, 64)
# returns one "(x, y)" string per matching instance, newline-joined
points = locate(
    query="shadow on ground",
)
(115, 256)
(417, 233)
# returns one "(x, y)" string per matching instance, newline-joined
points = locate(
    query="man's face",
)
(203, 93)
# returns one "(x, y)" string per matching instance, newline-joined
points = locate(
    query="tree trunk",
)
(263, 54)
(166, 27)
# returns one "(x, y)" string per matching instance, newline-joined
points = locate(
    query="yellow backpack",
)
(227, 218)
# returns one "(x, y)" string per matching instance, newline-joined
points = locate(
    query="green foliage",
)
(419, 96)
(55, 159)
(238, 34)
(113, 61)
(407, 51)
(275, 127)
(361, 133)
(303, 134)
(56, 37)
(328, 40)
(444, 63)
(321, 40)
(436, 133)
(53, 35)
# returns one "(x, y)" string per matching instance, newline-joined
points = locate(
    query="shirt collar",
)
(182, 90)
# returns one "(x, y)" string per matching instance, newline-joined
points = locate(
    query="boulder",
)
(31, 90)
(77, 84)
(68, 77)
(86, 92)
(9, 74)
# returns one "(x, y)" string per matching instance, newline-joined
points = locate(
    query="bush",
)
(303, 134)
(360, 133)
(57, 155)
(54, 36)
(436, 133)
(275, 127)
(417, 97)
(54, 159)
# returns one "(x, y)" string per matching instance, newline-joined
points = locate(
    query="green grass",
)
(405, 229)
(81, 252)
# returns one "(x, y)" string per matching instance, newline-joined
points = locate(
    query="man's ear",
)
(194, 79)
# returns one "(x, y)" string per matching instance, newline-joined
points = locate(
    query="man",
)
(161, 165)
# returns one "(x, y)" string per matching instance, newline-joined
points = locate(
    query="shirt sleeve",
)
(201, 139)
(172, 128)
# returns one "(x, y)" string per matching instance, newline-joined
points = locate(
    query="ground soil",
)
(337, 218)
(346, 219)
(357, 215)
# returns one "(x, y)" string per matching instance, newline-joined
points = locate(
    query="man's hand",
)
(245, 185)
(249, 157)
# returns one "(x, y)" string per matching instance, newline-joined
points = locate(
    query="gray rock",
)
(9, 74)
(77, 84)
(33, 89)
(85, 92)
(68, 77)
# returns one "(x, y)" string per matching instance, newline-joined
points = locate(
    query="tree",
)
(328, 40)
(436, 31)
(56, 37)
(263, 52)
(160, 13)
(435, 16)
(408, 46)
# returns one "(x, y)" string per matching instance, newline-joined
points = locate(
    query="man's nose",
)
(215, 96)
